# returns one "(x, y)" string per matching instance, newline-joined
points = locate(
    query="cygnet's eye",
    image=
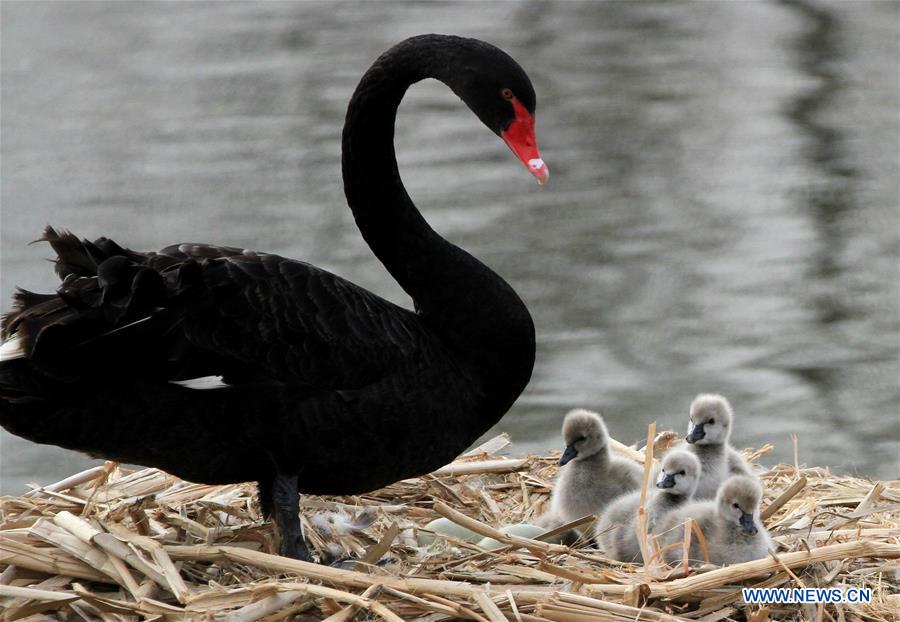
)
(711, 422)
(681, 472)
(735, 505)
(507, 94)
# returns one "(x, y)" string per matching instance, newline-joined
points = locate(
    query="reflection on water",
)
(722, 215)
(830, 199)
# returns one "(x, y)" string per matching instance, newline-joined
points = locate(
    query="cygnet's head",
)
(710, 422)
(738, 502)
(584, 434)
(680, 473)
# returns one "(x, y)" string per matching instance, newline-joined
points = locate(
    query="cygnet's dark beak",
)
(667, 482)
(747, 524)
(696, 433)
(568, 454)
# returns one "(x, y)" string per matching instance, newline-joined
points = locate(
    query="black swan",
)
(324, 387)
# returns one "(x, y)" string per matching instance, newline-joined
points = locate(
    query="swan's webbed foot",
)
(293, 546)
(280, 500)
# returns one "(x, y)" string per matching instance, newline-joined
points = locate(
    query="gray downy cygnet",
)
(709, 429)
(675, 485)
(590, 478)
(730, 524)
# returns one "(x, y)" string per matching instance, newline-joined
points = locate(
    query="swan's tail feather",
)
(82, 257)
(26, 305)
(72, 254)
(106, 317)
(11, 350)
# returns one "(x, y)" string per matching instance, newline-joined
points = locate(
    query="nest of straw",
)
(114, 544)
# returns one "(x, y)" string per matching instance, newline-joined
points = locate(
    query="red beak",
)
(520, 138)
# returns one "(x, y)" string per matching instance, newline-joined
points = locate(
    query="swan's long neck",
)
(465, 302)
(384, 212)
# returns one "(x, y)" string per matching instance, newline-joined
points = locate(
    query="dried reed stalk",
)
(792, 491)
(747, 570)
(336, 576)
(456, 469)
(83, 548)
(641, 523)
(564, 607)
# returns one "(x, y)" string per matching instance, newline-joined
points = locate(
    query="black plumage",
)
(330, 388)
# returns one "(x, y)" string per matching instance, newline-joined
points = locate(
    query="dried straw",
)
(112, 544)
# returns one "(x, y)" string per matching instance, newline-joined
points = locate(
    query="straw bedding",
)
(114, 544)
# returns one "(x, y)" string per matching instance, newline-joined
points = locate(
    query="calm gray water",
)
(722, 214)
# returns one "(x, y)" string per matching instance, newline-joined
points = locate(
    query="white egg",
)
(445, 527)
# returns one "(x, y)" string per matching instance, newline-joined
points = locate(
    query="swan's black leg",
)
(280, 500)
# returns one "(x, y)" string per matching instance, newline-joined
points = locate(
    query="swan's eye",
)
(507, 94)
(680, 472)
(735, 505)
(711, 422)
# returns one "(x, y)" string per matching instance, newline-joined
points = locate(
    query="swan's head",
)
(584, 434)
(499, 92)
(679, 474)
(710, 422)
(738, 502)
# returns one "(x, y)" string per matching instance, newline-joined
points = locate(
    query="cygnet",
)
(591, 478)
(708, 432)
(675, 485)
(731, 525)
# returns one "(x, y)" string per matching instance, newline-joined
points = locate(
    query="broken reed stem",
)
(512, 606)
(461, 610)
(648, 464)
(796, 443)
(489, 607)
(787, 570)
(792, 491)
(340, 596)
(349, 612)
(580, 606)
(86, 533)
(264, 606)
(748, 570)
(34, 594)
(421, 602)
(455, 469)
(870, 499)
(48, 561)
(566, 527)
(69, 482)
(701, 539)
(381, 547)
(329, 574)
(631, 452)
(118, 550)
(575, 575)
(686, 549)
(659, 554)
(641, 523)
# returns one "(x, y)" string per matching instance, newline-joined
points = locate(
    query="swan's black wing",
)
(297, 322)
(192, 310)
